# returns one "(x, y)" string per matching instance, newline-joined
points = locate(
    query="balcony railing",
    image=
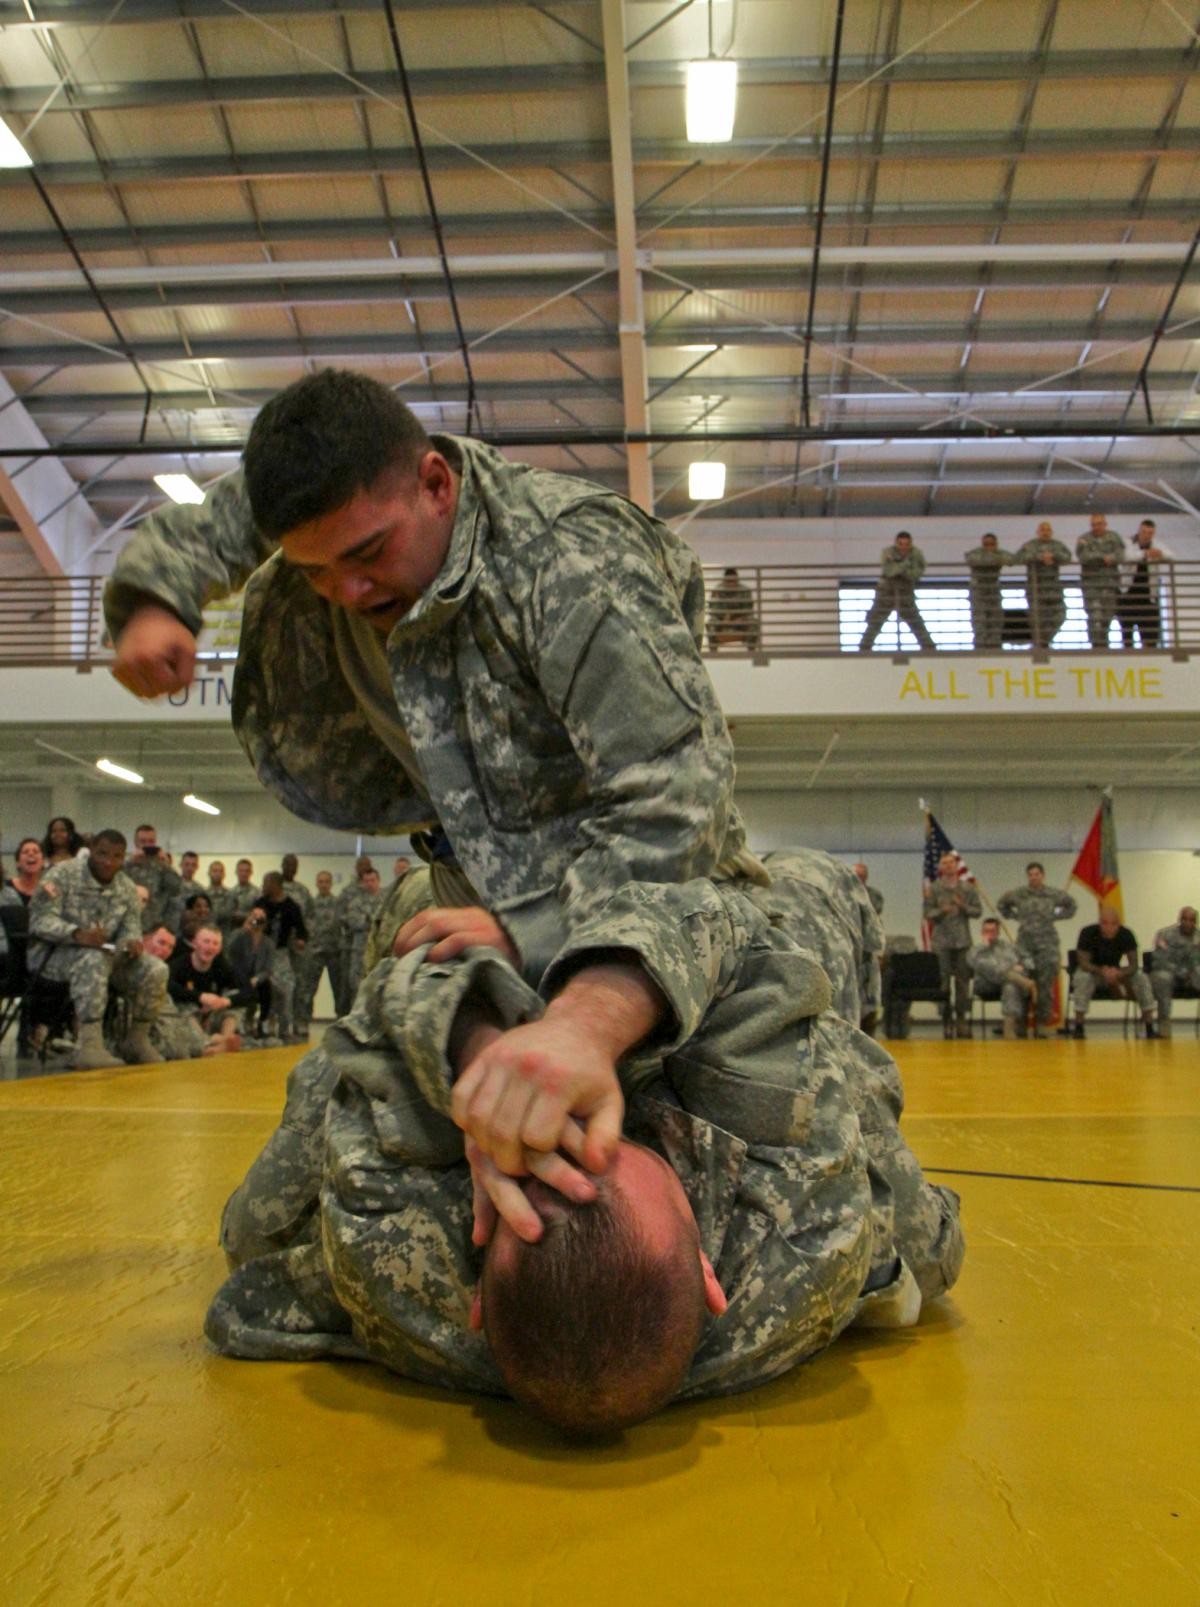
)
(760, 612)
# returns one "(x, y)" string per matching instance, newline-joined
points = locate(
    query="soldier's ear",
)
(714, 1295)
(475, 1320)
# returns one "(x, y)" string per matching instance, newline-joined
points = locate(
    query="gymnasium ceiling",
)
(945, 265)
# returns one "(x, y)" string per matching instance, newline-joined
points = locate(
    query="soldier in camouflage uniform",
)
(950, 906)
(1035, 907)
(995, 962)
(85, 924)
(352, 1233)
(148, 868)
(358, 906)
(220, 897)
(987, 605)
(323, 952)
(1176, 964)
(1043, 558)
(903, 566)
(1100, 553)
(176, 1034)
(189, 864)
(243, 896)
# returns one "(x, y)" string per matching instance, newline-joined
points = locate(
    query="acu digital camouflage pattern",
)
(70, 898)
(357, 909)
(564, 730)
(1176, 962)
(895, 593)
(351, 1234)
(987, 603)
(323, 952)
(1100, 563)
(1044, 587)
(165, 904)
(1035, 911)
(998, 966)
(949, 911)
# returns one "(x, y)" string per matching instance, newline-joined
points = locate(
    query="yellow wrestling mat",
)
(1034, 1440)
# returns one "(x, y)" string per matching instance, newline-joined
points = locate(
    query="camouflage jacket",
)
(356, 909)
(241, 901)
(1036, 911)
(985, 564)
(1093, 551)
(908, 567)
(70, 897)
(163, 885)
(949, 911)
(1174, 951)
(780, 1121)
(322, 922)
(991, 962)
(563, 728)
(876, 898)
(222, 901)
(1046, 578)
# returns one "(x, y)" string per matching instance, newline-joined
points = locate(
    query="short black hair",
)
(1035, 864)
(190, 903)
(592, 1330)
(907, 534)
(1149, 522)
(318, 443)
(145, 826)
(989, 920)
(110, 834)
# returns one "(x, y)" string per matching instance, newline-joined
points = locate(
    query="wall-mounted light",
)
(179, 487)
(706, 481)
(119, 770)
(193, 802)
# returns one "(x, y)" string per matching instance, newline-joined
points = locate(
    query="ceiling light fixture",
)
(706, 481)
(179, 487)
(193, 802)
(12, 152)
(711, 100)
(119, 770)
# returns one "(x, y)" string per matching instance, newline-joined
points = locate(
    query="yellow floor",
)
(1034, 1440)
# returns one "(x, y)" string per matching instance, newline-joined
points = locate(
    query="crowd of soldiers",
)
(1103, 560)
(1021, 972)
(104, 926)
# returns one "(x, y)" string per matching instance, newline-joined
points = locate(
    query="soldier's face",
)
(216, 873)
(160, 944)
(1035, 877)
(990, 934)
(990, 543)
(1187, 921)
(370, 881)
(1045, 532)
(188, 866)
(106, 859)
(379, 553)
(290, 866)
(324, 881)
(903, 545)
(146, 838)
(1098, 523)
(243, 871)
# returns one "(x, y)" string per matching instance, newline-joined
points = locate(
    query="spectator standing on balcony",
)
(731, 617)
(149, 868)
(987, 606)
(1139, 607)
(995, 962)
(1035, 907)
(1176, 964)
(1107, 962)
(950, 905)
(62, 841)
(1043, 558)
(902, 567)
(1100, 552)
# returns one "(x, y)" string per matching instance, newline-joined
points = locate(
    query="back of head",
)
(591, 1328)
(318, 443)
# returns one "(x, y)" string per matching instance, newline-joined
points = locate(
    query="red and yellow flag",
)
(1096, 866)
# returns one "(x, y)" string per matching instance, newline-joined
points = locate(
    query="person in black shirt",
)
(252, 956)
(286, 929)
(201, 979)
(1107, 963)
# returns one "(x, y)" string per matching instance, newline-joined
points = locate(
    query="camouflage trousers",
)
(89, 973)
(900, 599)
(1087, 985)
(1162, 984)
(176, 1034)
(1044, 966)
(352, 962)
(987, 619)
(309, 967)
(953, 970)
(283, 992)
(1100, 598)
(1014, 995)
(1046, 616)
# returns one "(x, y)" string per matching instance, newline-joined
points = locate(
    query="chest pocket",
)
(522, 756)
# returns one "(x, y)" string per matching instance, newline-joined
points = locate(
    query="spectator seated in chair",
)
(1108, 964)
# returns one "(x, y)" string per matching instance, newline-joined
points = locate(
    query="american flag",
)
(937, 844)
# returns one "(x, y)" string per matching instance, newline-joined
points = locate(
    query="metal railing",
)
(761, 612)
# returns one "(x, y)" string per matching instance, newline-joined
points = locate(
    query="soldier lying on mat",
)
(699, 1185)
